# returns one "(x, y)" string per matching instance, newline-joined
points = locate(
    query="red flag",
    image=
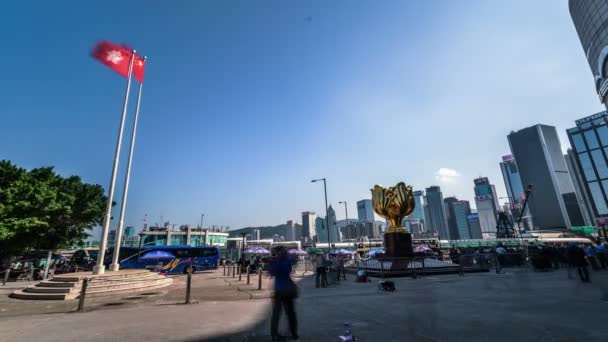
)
(117, 58)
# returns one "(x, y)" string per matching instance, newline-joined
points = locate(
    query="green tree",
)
(40, 209)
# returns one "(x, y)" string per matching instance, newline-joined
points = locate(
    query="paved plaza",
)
(515, 306)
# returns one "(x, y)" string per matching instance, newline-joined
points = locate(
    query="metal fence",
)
(414, 266)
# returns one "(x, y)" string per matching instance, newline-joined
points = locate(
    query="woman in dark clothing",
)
(577, 259)
(285, 292)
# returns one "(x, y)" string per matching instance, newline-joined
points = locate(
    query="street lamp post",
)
(243, 249)
(346, 213)
(326, 214)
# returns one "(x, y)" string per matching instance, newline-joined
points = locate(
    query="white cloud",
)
(446, 175)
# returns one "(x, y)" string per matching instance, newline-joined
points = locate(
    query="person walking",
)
(576, 256)
(590, 253)
(285, 293)
(321, 270)
(600, 252)
(340, 266)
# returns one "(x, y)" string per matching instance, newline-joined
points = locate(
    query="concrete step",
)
(115, 285)
(54, 289)
(150, 276)
(60, 284)
(141, 288)
(73, 277)
(20, 294)
(36, 289)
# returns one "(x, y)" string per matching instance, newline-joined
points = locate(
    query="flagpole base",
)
(114, 267)
(99, 269)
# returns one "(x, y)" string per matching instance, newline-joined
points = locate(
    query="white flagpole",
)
(100, 268)
(115, 266)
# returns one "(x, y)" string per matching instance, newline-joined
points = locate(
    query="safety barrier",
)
(415, 266)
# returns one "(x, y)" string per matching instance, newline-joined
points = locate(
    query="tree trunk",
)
(48, 264)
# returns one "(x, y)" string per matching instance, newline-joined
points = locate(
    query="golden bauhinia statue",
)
(393, 203)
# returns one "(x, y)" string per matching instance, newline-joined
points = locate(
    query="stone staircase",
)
(68, 286)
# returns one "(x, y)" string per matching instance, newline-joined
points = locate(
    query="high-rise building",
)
(418, 212)
(334, 232)
(255, 234)
(365, 210)
(580, 188)
(427, 214)
(129, 231)
(414, 226)
(553, 203)
(451, 217)
(461, 210)
(436, 220)
(321, 230)
(309, 229)
(356, 230)
(590, 18)
(487, 206)
(589, 141)
(515, 191)
(474, 226)
(290, 231)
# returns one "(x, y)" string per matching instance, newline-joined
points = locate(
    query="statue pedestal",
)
(398, 245)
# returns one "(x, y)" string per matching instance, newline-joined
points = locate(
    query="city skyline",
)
(222, 120)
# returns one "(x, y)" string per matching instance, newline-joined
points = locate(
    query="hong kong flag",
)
(117, 57)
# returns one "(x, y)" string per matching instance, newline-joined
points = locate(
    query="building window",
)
(579, 144)
(586, 166)
(600, 163)
(602, 131)
(598, 198)
(591, 139)
(178, 240)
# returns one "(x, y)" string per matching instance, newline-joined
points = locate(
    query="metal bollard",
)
(6, 274)
(76, 268)
(248, 272)
(233, 271)
(188, 285)
(83, 292)
(31, 274)
(224, 269)
(260, 279)
(240, 271)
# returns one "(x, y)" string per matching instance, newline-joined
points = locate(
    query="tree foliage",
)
(40, 209)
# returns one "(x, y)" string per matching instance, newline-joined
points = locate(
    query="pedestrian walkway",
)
(513, 306)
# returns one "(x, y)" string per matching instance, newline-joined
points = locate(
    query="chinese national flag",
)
(117, 58)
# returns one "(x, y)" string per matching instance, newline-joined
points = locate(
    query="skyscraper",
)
(553, 203)
(474, 226)
(418, 212)
(589, 141)
(436, 220)
(334, 232)
(515, 190)
(590, 18)
(309, 229)
(461, 210)
(321, 230)
(290, 231)
(487, 206)
(365, 210)
(451, 217)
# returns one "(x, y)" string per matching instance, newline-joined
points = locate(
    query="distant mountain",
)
(266, 232)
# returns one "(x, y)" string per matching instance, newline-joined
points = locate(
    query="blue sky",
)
(245, 101)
